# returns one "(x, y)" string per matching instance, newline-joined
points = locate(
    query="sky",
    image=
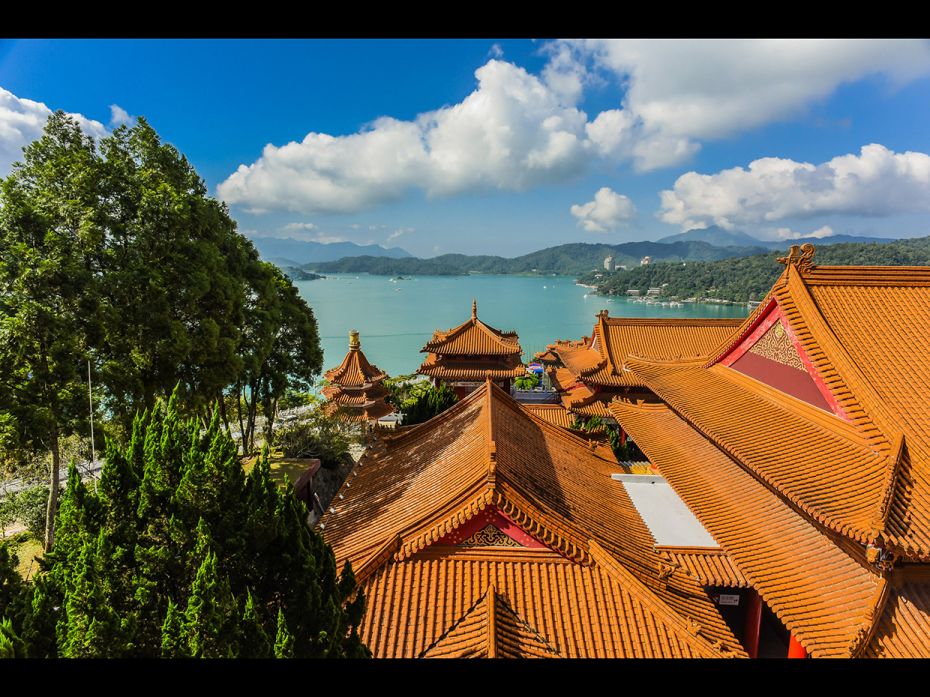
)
(487, 146)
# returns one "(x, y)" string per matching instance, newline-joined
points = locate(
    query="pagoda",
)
(356, 385)
(802, 444)
(466, 355)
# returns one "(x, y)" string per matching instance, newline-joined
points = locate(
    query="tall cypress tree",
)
(134, 574)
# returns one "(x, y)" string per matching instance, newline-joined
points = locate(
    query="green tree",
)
(134, 573)
(50, 234)
(426, 404)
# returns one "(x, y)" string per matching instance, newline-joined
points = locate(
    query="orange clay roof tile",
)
(710, 566)
(600, 360)
(355, 371)
(824, 595)
(474, 338)
(864, 330)
(487, 450)
(452, 368)
(814, 458)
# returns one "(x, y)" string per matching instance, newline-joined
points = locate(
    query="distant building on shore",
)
(645, 261)
(609, 264)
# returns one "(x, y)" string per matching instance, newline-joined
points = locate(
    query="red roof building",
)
(802, 444)
(466, 355)
(356, 385)
(589, 373)
(490, 532)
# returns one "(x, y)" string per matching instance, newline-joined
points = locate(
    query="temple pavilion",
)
(466, 355)
(589, 373)
(802, 445)
(356, 385)
(490, 532)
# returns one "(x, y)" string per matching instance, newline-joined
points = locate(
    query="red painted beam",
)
(795, 650)
(753, 623)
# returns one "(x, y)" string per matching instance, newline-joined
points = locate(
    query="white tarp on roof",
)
(668, 518)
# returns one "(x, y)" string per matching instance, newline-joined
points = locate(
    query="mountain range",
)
(291, 252)
(708, 244)
(719, 237)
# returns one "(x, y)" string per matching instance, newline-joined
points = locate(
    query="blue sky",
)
(506, 146)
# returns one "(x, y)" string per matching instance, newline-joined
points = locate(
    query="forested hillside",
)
(750, 278)
(564, 259)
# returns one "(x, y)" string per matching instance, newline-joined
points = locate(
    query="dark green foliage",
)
(526, 382)
(317, 434)
(113, 254)
(178, 554)
(27, 506)
(426, 402)
(14, 602)
(751, 277)
(283, 642)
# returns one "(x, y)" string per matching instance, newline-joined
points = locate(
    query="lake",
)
(397, 318)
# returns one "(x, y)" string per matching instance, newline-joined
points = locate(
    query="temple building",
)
(589, 373)
(356, 385)
(467, 354)
(490, 532)
(802, 445)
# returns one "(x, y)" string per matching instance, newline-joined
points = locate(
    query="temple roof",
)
(474, 338)
(861, 335)
(845, 477)
(356, 385)
(355, 370)
(451, 368)
(818, 590)
(596, 561)
(599, 360)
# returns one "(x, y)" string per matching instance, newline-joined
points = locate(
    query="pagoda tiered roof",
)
(488, 531)
(802, 443)
(356, 384)
(472, 351)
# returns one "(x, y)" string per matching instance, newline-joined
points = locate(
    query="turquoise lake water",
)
(397, 318)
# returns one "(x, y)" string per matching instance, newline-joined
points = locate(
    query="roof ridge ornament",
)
(801, 257)
(474, 308)
(354, 343)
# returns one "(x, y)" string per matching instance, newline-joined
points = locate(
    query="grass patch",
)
(26, 547)
(283, 469)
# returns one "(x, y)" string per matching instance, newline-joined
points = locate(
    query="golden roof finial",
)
(354, 343)
(474, 308)
(801, 257)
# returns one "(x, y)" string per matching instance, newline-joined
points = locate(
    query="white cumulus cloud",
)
(876, 182)
(400, 231)
(119, 116)
(680, 92)
(513, 132)
(517, 130)
(607, 211)
(22, 121)
(300, 226)
(785, 233)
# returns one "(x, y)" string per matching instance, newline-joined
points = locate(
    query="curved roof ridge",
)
(355, 364)
(747, 458)
(727, 499)
(686, 626)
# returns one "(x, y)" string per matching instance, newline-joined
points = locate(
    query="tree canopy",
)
(113, 254)
(179, 554)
